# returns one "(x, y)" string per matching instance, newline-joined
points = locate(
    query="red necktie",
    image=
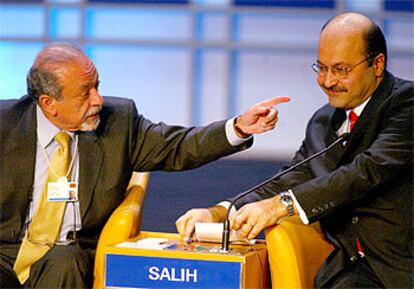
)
(359, 248)
(353, 117)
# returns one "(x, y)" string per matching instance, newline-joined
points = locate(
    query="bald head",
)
(50, 64)
(348, 22)
(357, 26)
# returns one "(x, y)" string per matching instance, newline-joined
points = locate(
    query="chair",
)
(123, 224)
(296, 252)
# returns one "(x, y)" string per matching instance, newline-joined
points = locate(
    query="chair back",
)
(123, 224)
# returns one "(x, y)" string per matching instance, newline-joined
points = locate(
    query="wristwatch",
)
(240, 133)
(286, 200)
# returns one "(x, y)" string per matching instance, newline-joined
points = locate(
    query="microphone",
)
(226, 226)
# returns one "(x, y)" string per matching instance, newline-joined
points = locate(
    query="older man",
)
(361, 193)
(65, 137)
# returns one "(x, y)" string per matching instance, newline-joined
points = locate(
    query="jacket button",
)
(355, 220)
(353, 259)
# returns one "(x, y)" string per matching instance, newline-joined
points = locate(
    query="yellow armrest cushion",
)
(296, 252)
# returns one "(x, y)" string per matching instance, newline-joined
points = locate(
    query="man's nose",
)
(330, 79)
(96, 98)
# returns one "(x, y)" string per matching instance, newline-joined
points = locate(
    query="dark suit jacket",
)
(124, 142)
(363, 190)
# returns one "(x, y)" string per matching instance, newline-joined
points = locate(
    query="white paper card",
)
(147, 243)
(213, 232)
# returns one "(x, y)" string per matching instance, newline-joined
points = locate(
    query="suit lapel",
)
(90, 164)
(334, 155)
(370, 113)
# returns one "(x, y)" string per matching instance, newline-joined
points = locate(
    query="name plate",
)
(124, 271)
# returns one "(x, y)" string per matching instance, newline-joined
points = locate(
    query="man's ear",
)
(379, 64)
(47, 103)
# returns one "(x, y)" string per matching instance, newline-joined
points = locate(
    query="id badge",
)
(62, 191)
(73, 191)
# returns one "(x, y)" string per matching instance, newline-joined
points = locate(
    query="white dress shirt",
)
(45, 148)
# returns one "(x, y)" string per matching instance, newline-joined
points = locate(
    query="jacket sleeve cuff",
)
(302, 214)
(226, 204)
(232, 137)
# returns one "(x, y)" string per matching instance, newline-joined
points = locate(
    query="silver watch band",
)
(287, 201)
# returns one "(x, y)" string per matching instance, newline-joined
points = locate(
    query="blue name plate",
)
(156, 272)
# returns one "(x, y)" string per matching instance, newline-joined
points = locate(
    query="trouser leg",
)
(63, 267)
(359, 275)
(8, 278)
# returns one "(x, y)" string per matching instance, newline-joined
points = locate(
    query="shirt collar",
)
(358, 110)
(46, 130)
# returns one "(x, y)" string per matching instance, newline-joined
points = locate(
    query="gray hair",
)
(43, 76)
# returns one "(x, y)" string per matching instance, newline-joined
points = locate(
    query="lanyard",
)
(71, 162)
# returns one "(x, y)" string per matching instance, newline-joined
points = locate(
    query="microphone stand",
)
(226, 224)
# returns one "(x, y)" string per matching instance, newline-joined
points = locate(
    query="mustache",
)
(94, 110)
(335, 89)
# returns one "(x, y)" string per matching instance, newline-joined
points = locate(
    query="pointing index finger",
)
(275, 101)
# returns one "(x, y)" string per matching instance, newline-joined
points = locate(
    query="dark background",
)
(171, 194)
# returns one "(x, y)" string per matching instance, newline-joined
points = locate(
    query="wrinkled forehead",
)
(81, 68)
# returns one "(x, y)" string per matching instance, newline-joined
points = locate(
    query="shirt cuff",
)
(232, 137)
(226, 204)
(302, 214)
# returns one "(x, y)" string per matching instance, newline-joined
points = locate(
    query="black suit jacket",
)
(124, 142)
(363, 190)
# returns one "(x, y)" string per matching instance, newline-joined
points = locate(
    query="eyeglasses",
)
(340, 71)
